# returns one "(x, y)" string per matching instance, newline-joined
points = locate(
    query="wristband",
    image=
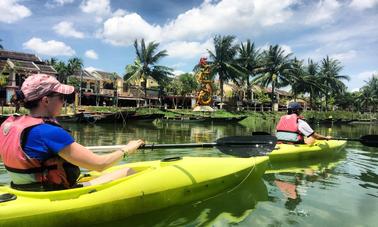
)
(125, 153)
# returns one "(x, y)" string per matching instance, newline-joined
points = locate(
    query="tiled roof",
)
(106, 75)
(86, 75)
(25, 62)
(4, 54)
(48, 69)
(25, 65)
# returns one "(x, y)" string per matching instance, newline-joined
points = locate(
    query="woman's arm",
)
(79, 155)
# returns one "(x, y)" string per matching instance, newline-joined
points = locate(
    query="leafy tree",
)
(223, 61)
(145, 64)
(276, 64)
(330, 76)
(249, 59)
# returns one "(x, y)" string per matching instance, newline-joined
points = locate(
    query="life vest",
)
(52, 174)
(287, 129)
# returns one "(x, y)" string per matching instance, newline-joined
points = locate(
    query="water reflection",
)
(228, 208)
(341, 192)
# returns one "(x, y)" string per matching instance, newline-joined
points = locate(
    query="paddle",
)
(367, 140)
(241, 146)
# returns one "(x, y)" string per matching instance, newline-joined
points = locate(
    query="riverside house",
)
(17, 66)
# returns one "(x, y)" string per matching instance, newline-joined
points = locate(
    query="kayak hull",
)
(156, 185)
(297, 152)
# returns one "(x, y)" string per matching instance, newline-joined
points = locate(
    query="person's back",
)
(291, 128)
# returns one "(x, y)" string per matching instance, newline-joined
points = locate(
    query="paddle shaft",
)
(367, 140)
(249, 141)
(154, 146)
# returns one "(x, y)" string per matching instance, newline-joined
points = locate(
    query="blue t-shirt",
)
(45, 140)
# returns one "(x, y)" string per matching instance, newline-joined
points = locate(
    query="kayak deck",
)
(297, 152)
(156, 185)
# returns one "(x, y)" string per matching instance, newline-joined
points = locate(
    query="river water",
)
(341, 191)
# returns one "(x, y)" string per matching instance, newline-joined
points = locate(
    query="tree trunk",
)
(221, 91)
(273, 103)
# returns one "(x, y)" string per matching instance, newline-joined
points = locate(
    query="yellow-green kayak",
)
(156, 185)
(296, 152)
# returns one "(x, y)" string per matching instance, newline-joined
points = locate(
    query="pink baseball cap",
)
(38, 85)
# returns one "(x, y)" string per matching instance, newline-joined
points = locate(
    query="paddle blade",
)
(247, 146)
(369, 140)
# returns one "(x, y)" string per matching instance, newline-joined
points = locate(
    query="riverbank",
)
(311, 116)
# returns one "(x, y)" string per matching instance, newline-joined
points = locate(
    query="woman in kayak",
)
(39, 154)
(292, 128)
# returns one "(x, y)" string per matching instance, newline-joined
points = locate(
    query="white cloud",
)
(91, 69)
(51, 47)
(178, 72)
(91, 54)
(124, 30)
(200, 23)
(366, 75)
(228, 16)
(56, 3)
(11, 11)
(345, 56)
(287, 49)
(98, 7)
(324, 11)
(363, 4)
(188, 50)
(66, 29)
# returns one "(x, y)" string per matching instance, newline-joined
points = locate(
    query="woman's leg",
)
(110, 176)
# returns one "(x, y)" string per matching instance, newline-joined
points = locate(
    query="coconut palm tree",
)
(312, 70)
(301, 80)
(74, 66)
(330, 76)
(276, 64)
(223, 61)
(249, 58)
(145, 64)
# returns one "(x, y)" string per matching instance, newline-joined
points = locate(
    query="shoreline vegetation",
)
(311, 116)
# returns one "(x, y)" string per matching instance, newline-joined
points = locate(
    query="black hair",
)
(19, 97)
(292, 111)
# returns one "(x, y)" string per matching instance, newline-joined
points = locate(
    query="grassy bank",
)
(314, 115)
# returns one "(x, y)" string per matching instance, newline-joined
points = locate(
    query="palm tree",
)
(75, 65)
(330, 77)
(62, 70)
(301, 80)
(224, 61)
(312, 70)
(145, 64)
(369, 93)
(276, 64)
(249, 58)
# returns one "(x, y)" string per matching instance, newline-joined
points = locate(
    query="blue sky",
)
(101, 32)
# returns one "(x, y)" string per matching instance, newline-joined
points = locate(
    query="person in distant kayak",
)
(39, 154)
(293, 129)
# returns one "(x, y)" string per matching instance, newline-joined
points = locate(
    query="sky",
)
(102, 32)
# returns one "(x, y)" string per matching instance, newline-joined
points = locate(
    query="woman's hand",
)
(132, 146)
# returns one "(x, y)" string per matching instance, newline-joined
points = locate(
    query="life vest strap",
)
(32, 170)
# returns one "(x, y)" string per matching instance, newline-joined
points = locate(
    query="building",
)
(17, 66)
